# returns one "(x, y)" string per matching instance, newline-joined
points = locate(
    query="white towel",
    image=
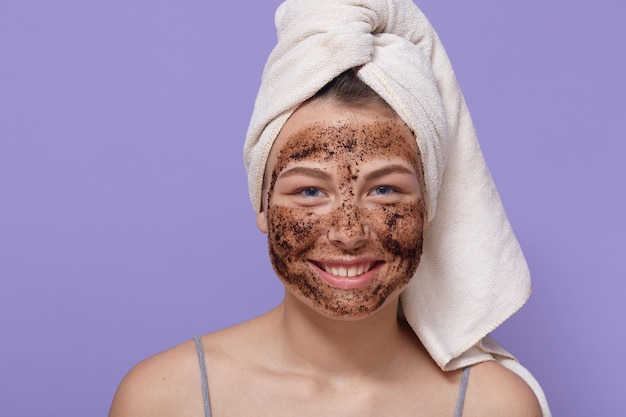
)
(472, 275)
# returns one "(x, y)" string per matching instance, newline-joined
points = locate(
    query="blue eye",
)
(383, 190)
(311, 192)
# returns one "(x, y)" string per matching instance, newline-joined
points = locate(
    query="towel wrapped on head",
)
(472, 275)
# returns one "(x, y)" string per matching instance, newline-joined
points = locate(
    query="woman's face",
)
(343, 208)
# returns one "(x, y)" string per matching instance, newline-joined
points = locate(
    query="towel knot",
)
(340, 33)
(331, 18)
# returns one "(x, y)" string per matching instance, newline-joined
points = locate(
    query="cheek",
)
(291, 232)
(291, 228)
(400, 231)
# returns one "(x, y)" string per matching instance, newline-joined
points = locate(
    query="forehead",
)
(325, 131)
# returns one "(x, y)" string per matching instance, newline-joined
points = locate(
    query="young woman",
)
(348, 181)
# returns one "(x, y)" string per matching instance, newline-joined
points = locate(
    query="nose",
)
(348, 229)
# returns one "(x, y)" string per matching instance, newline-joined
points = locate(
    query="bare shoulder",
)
(494, 390)
(162, 385)
(170, 383)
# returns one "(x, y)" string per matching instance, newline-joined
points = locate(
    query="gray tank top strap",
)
(203, 374)
(462, 390)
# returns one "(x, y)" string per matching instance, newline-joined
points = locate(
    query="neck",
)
(338, 345)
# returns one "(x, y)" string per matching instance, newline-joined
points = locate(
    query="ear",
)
(261, 222)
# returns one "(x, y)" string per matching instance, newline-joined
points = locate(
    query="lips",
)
(346, 270)
(347, 274)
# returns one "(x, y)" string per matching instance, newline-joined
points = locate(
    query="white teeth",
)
(352, 271)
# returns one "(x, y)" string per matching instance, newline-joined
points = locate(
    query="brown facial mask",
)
(388, 236)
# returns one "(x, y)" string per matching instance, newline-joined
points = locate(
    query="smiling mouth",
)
(346, 271)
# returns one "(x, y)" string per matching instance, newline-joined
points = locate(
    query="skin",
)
(318, 352)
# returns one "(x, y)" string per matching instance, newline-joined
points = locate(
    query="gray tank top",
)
(205, 383)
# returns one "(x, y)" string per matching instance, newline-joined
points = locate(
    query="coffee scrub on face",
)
(298, 236)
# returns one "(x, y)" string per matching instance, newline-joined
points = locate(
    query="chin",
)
(348, 306)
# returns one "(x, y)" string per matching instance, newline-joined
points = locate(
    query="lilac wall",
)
(124, 221)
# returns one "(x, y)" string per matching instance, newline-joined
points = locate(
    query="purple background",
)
(125, 226)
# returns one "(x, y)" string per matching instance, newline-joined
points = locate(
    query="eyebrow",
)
(390, 169)
(312, 172)
(318, 173)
